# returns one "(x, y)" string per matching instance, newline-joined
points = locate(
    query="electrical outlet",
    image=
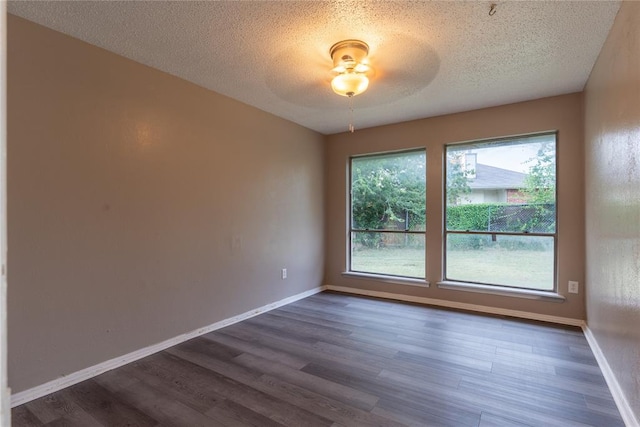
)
(284, 273)
(573, 287)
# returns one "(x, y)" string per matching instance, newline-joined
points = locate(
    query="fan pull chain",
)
(351, 128)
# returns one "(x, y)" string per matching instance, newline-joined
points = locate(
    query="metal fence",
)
(538, 218)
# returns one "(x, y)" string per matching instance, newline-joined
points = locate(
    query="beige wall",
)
(142, 207)
(612, 123)
(5, 413)
(563, 113)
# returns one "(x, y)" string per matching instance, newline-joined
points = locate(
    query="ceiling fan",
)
(374, 72)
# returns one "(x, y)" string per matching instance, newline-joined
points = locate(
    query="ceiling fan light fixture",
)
(350, 63)
(349, 84)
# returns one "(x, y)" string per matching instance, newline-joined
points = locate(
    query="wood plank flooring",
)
(340, 360)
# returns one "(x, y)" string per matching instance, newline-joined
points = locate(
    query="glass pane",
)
(395, 254)
(505, 186)
(388, 192)
(513, 218)
(516, 261)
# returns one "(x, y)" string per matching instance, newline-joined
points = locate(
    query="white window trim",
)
(501, 290)
(397, 280)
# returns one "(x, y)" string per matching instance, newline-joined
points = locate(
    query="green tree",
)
(457, 178)
(388, 192)
(540, 189)
(540, 183)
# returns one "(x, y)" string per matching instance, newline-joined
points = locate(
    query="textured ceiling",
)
(430, 58)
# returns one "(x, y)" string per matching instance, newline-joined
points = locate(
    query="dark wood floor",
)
(338, 360)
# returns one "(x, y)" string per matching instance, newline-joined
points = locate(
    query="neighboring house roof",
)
(490, 177)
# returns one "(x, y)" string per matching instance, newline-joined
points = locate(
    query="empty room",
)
(321, 213)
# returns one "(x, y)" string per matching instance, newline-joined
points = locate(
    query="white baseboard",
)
(92, 371)
(616, 391)
(461, 306)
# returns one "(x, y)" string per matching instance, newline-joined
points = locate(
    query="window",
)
(501, 212)
(387, 224)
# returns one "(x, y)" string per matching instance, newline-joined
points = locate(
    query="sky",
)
(513, 158)
(512, 155)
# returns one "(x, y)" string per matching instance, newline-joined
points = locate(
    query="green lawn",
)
(399, 262)
(519, 268)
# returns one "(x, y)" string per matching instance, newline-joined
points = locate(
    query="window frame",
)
(351, 230)
(446, 232)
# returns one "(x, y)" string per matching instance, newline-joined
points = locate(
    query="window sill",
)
(510, 292)
(387, 279)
